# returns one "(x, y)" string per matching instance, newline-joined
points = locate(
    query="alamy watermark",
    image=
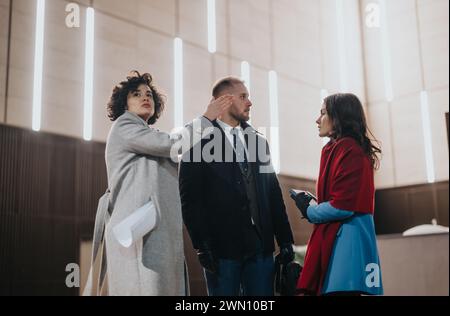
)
(199, 143)
(73, 278)
(73, 16)
(372, 18)
(373, 276)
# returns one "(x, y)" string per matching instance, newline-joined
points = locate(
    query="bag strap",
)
(101, 219)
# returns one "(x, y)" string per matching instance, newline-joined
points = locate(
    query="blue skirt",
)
(354, 264)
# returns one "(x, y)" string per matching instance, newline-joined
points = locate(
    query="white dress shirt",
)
(227, 129)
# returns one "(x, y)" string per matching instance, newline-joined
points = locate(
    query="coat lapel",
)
(223, 169)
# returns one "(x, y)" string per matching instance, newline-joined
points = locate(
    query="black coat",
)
(214, 202)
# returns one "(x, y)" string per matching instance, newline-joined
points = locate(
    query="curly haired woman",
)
(140, 169)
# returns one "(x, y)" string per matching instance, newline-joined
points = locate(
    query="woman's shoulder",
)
(124, 121)
(128, 117)
(348, 145)
(346, 141)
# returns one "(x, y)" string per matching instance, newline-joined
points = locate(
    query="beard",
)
(241, 117)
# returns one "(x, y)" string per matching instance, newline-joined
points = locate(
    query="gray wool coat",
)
(140, 169)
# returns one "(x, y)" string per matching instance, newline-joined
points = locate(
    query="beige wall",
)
(309, 57)
(418, 47)
(414, 265)
(297, 38)
(20, 92)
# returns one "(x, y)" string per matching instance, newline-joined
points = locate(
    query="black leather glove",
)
(207, 260)
(286, 253)
(302, 200)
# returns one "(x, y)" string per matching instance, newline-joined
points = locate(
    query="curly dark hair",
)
(347, 116)
(118, 102)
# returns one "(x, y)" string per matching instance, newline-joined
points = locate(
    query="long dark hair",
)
(118, 102)
(347, 115)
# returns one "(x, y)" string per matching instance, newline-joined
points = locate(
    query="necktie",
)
(239, 149)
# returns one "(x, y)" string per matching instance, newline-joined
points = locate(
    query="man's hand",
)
(286, 253)
(218, 106)
(207, 260)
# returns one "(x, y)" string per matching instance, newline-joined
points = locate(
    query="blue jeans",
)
(249, 277)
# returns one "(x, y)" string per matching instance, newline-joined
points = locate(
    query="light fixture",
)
(385, 52)
(211, 4)
(88, 74)
(323, 95)
(245, 74)
(178, 81)
(274, 120)
(341, 46)
(427, 137)
(38, 65)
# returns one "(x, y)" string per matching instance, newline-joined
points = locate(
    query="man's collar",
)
(241, 126)
(226, 126)
(244, 126)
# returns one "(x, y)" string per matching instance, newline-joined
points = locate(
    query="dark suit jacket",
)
(214, 202)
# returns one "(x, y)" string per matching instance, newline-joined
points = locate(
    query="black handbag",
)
(286, 277)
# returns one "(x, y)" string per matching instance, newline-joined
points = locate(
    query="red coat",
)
(346, 181)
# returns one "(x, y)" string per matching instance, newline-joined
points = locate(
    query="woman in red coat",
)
(342, 256)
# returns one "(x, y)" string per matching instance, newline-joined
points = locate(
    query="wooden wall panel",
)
(401, 208)
(49, 187)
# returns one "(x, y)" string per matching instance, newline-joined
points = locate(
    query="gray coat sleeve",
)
(141, 139)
